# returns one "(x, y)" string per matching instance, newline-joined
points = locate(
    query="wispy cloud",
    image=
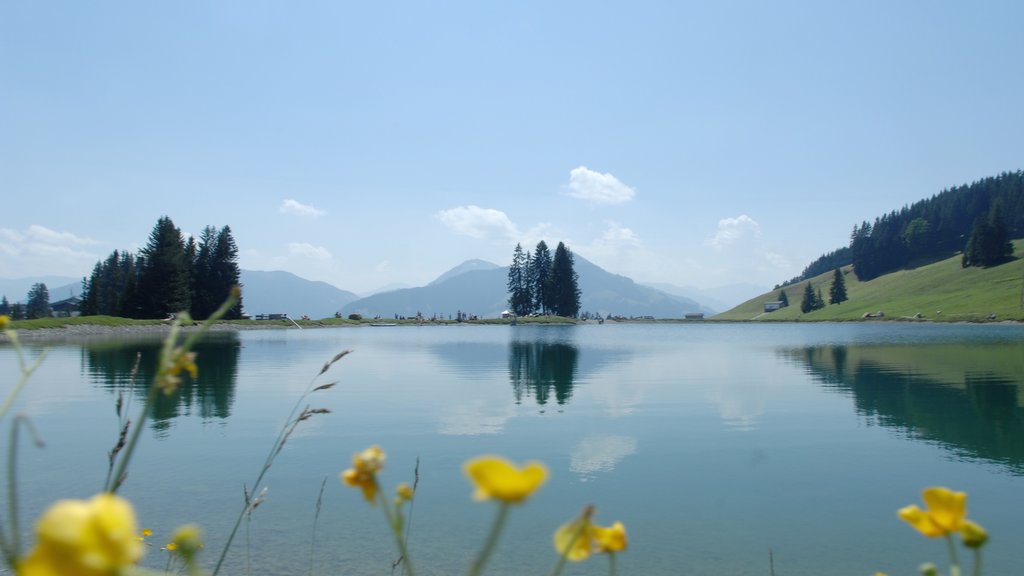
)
(39, 250)
(296, 208)
(477, 222)
(598, 188)
(305, 250)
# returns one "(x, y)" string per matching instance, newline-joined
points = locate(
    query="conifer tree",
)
(520, 298)
(540, 267)
(783, 298)
(808, 302)
(837, 293)
(226, 273)
(37, 302)
(164, 277)
(564, 283)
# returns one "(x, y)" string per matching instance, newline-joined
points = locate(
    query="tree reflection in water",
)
(129, 367)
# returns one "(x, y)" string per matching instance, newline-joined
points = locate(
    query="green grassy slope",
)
(942, 291)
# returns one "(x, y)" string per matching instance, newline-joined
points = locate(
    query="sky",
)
(368, 144)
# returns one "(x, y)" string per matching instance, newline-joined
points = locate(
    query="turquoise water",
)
(714, 444)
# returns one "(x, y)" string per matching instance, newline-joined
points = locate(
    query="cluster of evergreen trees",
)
(812, 299)
(989, 212)
(37, 304)
(542, 283)
(989, 243)
(168, 276)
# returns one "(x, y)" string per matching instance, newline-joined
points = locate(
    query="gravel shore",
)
(79, 332)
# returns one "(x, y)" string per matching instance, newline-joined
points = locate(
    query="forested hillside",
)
(985, 214)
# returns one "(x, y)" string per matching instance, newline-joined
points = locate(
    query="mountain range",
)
(474, 287)
(479, 287)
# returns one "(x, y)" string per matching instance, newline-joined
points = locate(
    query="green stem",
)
(115, 480)
(954, 563)
(396, 528)
(26, 371)
(492, 540)
(611, 564)
(977, 561)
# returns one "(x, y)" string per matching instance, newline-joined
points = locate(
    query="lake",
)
(715, 444)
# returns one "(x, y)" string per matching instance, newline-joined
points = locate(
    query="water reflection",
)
(540, 369)
(969, 400)
(130, 368)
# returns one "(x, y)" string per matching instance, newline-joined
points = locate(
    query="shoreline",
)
(82, 332)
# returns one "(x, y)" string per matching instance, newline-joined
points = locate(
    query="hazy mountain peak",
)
(467, 266)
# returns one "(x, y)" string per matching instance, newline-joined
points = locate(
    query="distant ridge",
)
(467, 266)
(283, 292)
(480, 287)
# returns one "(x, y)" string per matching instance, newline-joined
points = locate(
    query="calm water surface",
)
(713, 443)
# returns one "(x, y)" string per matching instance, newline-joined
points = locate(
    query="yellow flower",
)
(499, 479)
(973, 535)
(575, 539)
(945, 513)
(363, 474)
(170, 373)
(93, 537)
(404, 492)
(610, 539)
(5, 320)
(171, 547)
(188, 539)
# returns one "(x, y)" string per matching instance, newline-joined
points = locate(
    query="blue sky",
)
(372, 143)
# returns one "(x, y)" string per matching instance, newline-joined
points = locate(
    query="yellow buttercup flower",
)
(575, 539)
(610, 539)
(93, 537)
(973, 535)
(5, 320)
(944, 516)
(363, 474)
(498, 479)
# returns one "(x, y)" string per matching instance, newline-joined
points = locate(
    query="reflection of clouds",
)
(475, 418)
(738, 406)
(600, 453)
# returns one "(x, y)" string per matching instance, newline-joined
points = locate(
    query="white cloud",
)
(40, 251)
(304, 250)
(296, 208)
(480, 223)
(618, 236)
(733, 231)
(598, 188)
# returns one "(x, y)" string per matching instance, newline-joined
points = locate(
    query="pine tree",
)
(520, 299)
(783, 298)
(837, 293)
(38, 302)
(812, 300)
(564, 284)
(5, 306)
(226, 273)
(164, 278)
(989, 243)
(540, 267)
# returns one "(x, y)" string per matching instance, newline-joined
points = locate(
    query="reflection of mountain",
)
(969, 399)
(539, 368)
(210, 395)
(542, 361)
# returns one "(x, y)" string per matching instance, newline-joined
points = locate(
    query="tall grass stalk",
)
(294, 418)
